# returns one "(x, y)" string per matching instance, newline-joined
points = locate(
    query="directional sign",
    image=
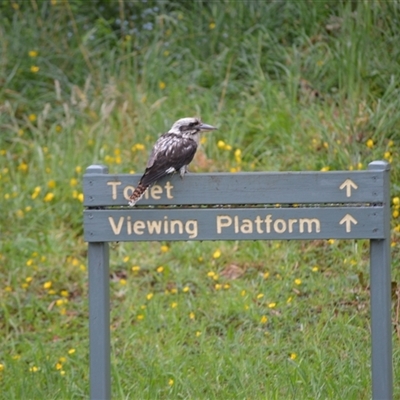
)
(244, 206)
(348, 184)
(241, 188)
(237, 224)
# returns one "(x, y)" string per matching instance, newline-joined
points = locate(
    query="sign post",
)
(242, 206)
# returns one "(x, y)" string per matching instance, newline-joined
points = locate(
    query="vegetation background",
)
(304, 85)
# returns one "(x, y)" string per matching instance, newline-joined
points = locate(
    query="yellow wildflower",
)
(217, 253)
(297, 281)
(58, 366)
(49, 197)
(64, 293)
(73, 182)
(264, 319)
(33, 53)
(218, 286)
(160, 269)
(185, 289)
(293, 356)
(80, 197)
(34, 69)
(191, 315)
(23, 167)
(198, 333)
(47, 285)
(396, 201)
(135, 268)
(260, 296)
(78, 169)
(34, 369)
(271, 305)
(71, 351)
(123, 281)
(174, 304)
(370, 143)
(221, 144)
(36, 192)
(212, 25)
(162, 85)
(170, 382)
(164, 248)
(149, 296)
(51, 184)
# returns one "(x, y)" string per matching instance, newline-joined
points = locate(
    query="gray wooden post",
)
(99, 313)
(380, 283)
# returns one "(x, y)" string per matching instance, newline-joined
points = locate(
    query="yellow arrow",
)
(348, 184)
(348, 220)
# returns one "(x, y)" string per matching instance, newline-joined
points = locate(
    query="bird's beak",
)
(205, 127)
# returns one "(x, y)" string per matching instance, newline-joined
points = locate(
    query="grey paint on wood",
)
(381, 318)
(233, 224)
(241, 188)
(99, 321)
(359, 221)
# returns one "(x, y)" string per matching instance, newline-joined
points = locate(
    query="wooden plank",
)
(240, 188)
(233, 224)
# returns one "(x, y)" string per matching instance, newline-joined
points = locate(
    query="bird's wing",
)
(170, 151)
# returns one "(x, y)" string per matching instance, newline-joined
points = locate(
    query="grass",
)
(292, 86)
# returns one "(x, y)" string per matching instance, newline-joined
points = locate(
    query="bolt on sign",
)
(241, 206)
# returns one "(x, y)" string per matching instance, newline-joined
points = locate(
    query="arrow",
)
(348, 220)
(348, 184)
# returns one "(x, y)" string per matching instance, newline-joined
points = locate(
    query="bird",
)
(172, 152)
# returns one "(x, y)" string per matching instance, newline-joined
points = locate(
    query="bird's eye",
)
(192, 124)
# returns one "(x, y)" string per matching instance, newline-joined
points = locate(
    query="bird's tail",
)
(137, 194)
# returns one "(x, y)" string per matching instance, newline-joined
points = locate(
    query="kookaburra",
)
(172, 152)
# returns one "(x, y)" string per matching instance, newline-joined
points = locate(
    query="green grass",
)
(77, 89)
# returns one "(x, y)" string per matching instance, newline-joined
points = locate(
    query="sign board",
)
(242, 206)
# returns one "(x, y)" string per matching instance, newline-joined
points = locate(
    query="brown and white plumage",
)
(172, 152)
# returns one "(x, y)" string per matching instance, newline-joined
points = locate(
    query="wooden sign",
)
(242, 206)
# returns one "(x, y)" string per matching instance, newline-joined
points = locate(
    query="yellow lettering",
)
(165, 225)
(180, 226)
(291, 223)
(282, 227)
(128, 225)
(223, 221)
(155, 192)
(191, 228)
(258, 222)
(246, 226)
(113, 185)
(128, 190)
(116, 228)
(268, 221)
(154, 226)
(236, 219)
(138, 227)
(310, 223)
(168, 187)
